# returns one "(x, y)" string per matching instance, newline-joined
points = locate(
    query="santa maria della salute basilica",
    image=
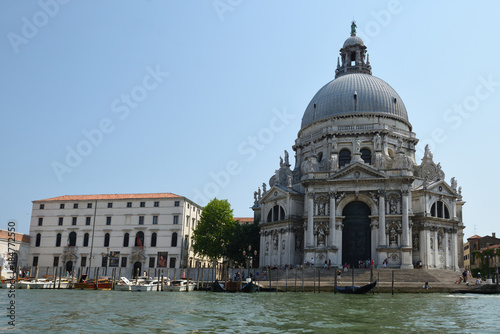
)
(356, 191)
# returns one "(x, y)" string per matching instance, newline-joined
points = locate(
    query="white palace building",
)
(135, 232)
(356, 191)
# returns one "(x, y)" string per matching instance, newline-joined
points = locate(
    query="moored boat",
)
(181, 285)
(356, 290)
(100, 284)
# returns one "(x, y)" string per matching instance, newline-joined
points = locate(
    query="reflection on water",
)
(75, 311)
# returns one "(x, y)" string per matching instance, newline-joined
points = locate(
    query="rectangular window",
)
(177, 203)
(42, 206)
(176, 219)
(56, 261)
(151, 262)
(87, 220)
(155, 220)
(141, 220)
(124, 261)
(61, 206)
(40, 221)
(108, 220)
(157, 204)
(84, 261)
(187, 220)
(73, 221)
(172, 262)
(129, 204)
(89, 205)
(75, 206)
(110, 205)
(104, 261)
(143, 204)
(35, 261)
(193, 223)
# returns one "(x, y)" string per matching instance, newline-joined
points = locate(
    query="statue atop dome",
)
(353, 28)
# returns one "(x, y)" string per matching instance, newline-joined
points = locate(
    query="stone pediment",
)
(358, 171)
(442, 187)
(276, 192)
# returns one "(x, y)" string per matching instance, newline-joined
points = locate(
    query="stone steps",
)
(363, 275)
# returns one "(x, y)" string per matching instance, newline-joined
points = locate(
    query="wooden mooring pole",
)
(335, 282)
(392, 289)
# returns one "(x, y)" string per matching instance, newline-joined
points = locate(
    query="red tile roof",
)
(17, 236)
(109, 197)
(474, 237)
(244, 219)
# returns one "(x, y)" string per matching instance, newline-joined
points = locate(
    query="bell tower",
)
(353, 56)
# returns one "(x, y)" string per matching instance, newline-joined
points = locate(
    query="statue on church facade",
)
(321, 236)
(378, 142)
(454, 183)
(334, 144)
(357, 145)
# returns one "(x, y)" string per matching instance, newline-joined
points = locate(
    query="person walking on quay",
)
(464, 275)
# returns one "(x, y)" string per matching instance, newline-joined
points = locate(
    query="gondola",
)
(356, 290)
(249, 287)
(217, 287)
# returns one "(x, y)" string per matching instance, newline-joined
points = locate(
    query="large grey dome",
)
(355, 93)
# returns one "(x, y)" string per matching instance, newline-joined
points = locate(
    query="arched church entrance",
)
(356, 238)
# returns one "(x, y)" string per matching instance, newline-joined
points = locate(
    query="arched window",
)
(86, 240)
(38, 240)
(126, 238)
(344, 157)
(106, 240)
(153, 240)
(72, 239)
(139, 239)
(366, 155)
(440, 210)
(276, 213)
(174, 239)
(58, 240)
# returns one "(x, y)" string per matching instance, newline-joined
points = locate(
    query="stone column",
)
(404, 215)
(446, 252)
(436, 248)
(422, 247)
(331, 237)
(453, 209)
(310, 219)
(262, 249)
(381, 220)
(428, 235)
(454, 250)
(291, 246)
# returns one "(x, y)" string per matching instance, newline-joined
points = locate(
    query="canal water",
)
(76, 311)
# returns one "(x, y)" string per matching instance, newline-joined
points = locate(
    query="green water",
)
(76, 311)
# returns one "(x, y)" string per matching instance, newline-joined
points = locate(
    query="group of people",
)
(366, 264)
(468, 279)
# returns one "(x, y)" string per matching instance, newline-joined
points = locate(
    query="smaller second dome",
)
(353, 40)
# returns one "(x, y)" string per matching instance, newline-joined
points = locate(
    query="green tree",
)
(214, 231)
(244, 235)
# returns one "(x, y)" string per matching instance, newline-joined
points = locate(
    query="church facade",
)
(356, 192)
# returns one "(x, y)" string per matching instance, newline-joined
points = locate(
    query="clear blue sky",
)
(171, 94)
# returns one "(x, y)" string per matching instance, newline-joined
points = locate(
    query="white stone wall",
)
(123, 220)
